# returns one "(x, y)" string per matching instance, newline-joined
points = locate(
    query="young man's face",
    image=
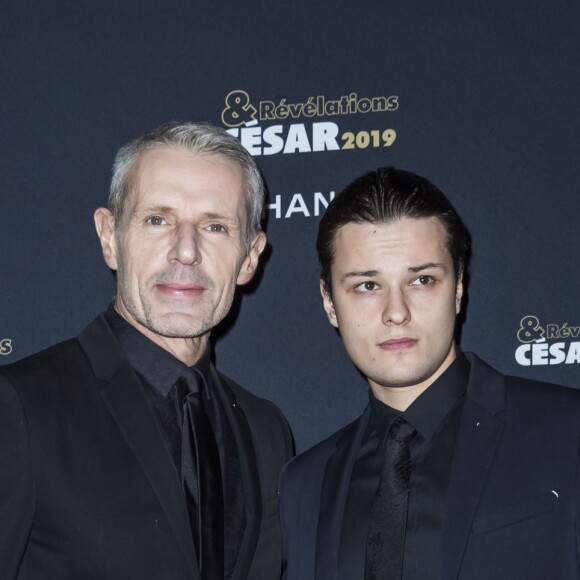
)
(394, 300)
(179, 250)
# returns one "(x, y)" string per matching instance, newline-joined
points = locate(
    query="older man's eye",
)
(155, 220)
(217, 228)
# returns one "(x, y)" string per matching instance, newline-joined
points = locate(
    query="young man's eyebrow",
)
(371, 273)
(361, 274)
(426, 266)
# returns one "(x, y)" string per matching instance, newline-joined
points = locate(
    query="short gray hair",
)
(198, 138)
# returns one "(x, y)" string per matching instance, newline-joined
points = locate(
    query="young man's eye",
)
(423, 280)
(366, 287)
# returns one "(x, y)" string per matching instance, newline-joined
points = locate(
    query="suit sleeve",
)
(283, 524)
(16, 484)
(287, 437)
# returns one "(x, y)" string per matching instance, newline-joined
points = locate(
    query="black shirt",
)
(157, 371)
(435, 414)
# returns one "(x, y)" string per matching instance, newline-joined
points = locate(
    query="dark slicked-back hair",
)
(385, 196)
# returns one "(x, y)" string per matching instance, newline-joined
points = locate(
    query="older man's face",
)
(179, 248)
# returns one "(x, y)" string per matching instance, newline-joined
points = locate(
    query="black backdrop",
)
(480, 97)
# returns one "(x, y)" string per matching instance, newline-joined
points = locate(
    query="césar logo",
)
(245, 121)
(537, 351)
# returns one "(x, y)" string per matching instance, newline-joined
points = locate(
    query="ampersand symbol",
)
(239, 110)
(530, 329)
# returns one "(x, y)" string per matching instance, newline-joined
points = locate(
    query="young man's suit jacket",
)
(88, 489)
(512, 510)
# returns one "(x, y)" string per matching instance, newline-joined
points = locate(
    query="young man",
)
(453, 471)
(124, 453)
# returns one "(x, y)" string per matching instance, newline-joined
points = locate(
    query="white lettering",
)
(324, 137)
(573, 353)
(297, 205)
(251, 139)
(277, 206)
(557, 353)
(542, 353)
(521, 357)
(297, 139)
(272, 136)
(319, 200)
(293, 138)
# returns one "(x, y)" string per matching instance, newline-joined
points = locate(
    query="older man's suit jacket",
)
(88, 489)
(512, 510)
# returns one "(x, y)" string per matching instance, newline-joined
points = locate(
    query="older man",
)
(124, 453)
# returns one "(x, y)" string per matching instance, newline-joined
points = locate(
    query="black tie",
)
(201, 477)
(388, 521)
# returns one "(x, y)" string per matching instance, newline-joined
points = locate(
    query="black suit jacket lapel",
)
(333, 497)
(479, 435)
(122, 394)
(249, 470)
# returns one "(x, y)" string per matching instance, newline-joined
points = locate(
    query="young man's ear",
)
(250, 263)
(328, 305)
(105, 226)
(458, 292)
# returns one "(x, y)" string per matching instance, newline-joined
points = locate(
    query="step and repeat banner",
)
(481, 98)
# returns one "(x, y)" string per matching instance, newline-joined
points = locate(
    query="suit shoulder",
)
(311, 459)
(50, 380)
(242, 394)
(265, 419)
(536, 393)
(56, 359)
(495, 390)
(252, 403)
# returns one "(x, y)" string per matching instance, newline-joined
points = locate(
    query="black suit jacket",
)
(512, 510)
(88, 489)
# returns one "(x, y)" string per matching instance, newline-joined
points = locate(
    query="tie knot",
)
(400, 431)
(189, 382)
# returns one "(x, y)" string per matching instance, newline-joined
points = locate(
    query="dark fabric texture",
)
(158, 372)
(201, 476)
(436, 416)
(511, 510)
(388, 521)
(88, 487)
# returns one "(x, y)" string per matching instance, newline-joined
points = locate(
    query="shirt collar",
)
(429, 410)
(157, 365)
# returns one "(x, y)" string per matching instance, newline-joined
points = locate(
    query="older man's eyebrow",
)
(153, 209)
(166, 209)
(219, 216)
